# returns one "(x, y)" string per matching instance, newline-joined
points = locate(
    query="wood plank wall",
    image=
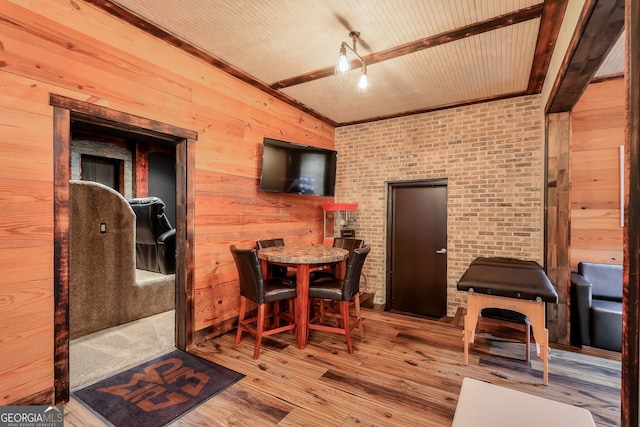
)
(597, 132)
(73, 49)
(557, 239)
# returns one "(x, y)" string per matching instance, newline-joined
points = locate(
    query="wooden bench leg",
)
(534, 311)
(470, 323)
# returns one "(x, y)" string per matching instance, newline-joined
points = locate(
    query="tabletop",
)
(481, 404)
(317, 254)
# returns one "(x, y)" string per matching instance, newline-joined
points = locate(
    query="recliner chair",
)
(155, 237)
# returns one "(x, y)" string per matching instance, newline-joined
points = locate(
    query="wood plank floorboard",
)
(406, 371)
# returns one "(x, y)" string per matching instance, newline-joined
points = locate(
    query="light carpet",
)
(112, 350)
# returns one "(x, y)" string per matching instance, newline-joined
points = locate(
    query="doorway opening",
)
(68, 112)
(122, 261)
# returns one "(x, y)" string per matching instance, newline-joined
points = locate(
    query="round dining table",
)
(304, 259)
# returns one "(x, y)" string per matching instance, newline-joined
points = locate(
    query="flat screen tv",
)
(288, 167)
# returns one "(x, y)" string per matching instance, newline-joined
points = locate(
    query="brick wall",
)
(492, 155)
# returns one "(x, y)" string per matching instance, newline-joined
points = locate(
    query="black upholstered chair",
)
(350, 244)
(269, 243)
(277, 270)
(339, 242)
(342, 292)
(596, 305)
(155, 237)
(263, 292)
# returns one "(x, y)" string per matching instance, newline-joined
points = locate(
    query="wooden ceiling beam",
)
(599, 27)
(474, 29)
(550, 23)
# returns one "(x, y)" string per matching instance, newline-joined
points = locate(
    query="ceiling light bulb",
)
(364, 86)
(343, 63)
(363, 83)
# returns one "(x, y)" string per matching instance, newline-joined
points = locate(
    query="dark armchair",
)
(596, 305)
(155, 237)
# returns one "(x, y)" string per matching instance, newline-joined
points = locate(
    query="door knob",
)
(442, 251)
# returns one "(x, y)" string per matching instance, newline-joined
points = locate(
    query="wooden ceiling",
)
(421, 55)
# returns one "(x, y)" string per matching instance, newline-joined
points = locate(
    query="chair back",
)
(249, 273)
(277, 270)
(155, 237)
(270, 243)
(355, 262)
(605, 279)
(348, 243)
(151, 220)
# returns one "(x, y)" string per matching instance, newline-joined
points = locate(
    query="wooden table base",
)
(534, 310)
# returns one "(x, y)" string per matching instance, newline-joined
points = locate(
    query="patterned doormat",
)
(157, 392)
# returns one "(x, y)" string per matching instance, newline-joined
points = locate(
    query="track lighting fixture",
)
(344, 65)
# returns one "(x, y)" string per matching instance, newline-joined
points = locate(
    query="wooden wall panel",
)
(604, 95)
(16, 270)
(597, 138)
(26, 353)
(26, 238)
(583, 178)
(597, 131)
(597, 255)
(557, 238)
(593, 160)
(22, 153)
(600, 118)
(77, 51)
(25, 218)
(608, 240)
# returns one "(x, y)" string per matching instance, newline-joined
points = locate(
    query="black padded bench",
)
(508, 284)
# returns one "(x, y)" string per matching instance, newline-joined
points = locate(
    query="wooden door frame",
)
(66, 110)
(391, 185)
(597, 30)
(631, 290)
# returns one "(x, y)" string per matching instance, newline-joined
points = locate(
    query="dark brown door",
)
(418, 248)
(101, 169)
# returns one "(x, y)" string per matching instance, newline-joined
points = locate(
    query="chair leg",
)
(356, 301)
(259, 330)
(241, 314)
(292, 313)
(344, 308)
(321, 311)
(276, 314)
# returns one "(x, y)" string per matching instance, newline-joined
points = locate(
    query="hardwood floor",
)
(406, 372)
